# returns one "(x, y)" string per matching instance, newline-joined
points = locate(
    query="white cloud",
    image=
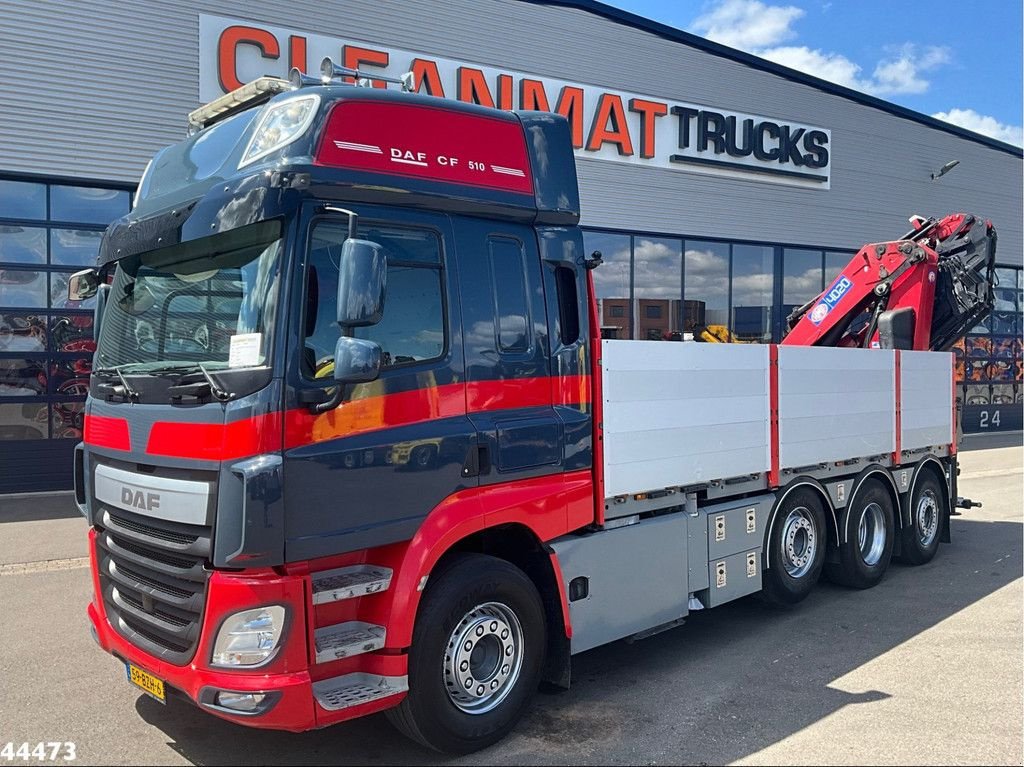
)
(758, 28)
(988, 126)
(747, 24)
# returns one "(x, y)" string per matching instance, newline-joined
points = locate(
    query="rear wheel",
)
(796, 548)
(476, 657)
(870, 525)
(927, 511)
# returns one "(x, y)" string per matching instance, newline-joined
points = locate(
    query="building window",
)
(46, 341)
(617, 311)
(706, 284)
(802, 277)
(753, 285)
(657, 287)
(612, 282)
(989, 362)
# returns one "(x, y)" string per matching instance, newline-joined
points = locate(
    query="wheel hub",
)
(483, 658)
(871, 534)
(799, 542)
(927, 517)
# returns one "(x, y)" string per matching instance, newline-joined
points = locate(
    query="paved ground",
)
(925, 668)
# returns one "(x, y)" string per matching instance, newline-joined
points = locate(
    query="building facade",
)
(722, 190)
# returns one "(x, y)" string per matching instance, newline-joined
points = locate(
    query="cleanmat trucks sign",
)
(606, 124)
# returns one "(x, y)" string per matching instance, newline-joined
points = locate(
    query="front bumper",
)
(287, 677)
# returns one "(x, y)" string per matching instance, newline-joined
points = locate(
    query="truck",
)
(353, 441)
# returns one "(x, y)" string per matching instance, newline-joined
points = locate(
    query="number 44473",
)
(50, 751)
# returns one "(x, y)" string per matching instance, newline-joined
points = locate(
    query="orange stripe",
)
(263, 434)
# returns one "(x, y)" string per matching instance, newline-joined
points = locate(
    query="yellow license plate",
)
(146, 682)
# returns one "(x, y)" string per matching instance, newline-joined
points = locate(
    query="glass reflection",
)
(22, 287)
(753, 277)
(611, 283)
(22, 377)
(657, 288)
(22, 333)
(706, 283)
(74, 247)
(26, 420)
(87, 205)
(22, 199)
(22, 244)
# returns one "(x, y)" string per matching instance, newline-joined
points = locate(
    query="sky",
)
(959, 62)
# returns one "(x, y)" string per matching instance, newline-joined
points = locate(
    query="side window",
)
(412, 329)
(511, 305)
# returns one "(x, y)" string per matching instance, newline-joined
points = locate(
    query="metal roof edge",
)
(677, 35)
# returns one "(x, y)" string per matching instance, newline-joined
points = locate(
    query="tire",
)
(869, 530)
(927, 515)
(796, 548)
(492, 605)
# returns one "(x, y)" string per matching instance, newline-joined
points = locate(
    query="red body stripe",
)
(773, 413)
(598, 399)
(264, 434)
(953, 430)
(103, 431)
(897, 454)
(216, 441)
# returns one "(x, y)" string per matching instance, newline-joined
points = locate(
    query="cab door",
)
(367, 472)
(508, 386)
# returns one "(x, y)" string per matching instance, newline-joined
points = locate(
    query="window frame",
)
(531, 339)
(367, 221)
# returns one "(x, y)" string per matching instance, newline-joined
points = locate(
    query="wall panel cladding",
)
(135, 76)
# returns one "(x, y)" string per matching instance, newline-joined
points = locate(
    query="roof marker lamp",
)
(249, 638)
(280, 124)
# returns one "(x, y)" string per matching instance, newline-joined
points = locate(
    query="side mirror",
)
(362, 283)
(83, 285)
(356, 360)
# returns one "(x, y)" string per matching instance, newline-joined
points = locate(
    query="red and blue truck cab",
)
(343, 443)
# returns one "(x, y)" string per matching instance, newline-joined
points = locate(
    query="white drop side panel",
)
(835, 404)
(682, 413)
(926, 394)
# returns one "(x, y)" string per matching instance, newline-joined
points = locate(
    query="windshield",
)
(208, 303)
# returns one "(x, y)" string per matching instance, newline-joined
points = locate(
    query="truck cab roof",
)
(352, 143)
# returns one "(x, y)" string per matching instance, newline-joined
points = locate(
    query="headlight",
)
(279, 126)
(249, 638)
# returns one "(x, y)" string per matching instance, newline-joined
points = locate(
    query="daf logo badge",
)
(136, 499)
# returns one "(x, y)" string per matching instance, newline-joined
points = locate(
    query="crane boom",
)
(922, 291)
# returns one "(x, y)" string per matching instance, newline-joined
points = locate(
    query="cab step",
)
(343, 640)
(355, 689)
(349, 583)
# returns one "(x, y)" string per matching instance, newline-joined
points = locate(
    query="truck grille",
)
(153, 576)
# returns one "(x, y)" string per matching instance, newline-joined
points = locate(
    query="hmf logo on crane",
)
(606, 124)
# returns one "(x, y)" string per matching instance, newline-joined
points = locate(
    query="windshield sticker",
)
(245, 350)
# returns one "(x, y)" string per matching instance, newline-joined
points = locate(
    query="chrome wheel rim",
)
(927, 513)
(799, 542)
(483, 658)
(871, 534)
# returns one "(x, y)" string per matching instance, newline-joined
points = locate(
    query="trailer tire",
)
(476, 658)
(796, 548)
(870, 525)
(921, 536)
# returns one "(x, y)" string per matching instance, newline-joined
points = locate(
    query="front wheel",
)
(476, 657)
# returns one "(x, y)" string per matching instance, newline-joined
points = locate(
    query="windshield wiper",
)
(126, 389)
(179, 390)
